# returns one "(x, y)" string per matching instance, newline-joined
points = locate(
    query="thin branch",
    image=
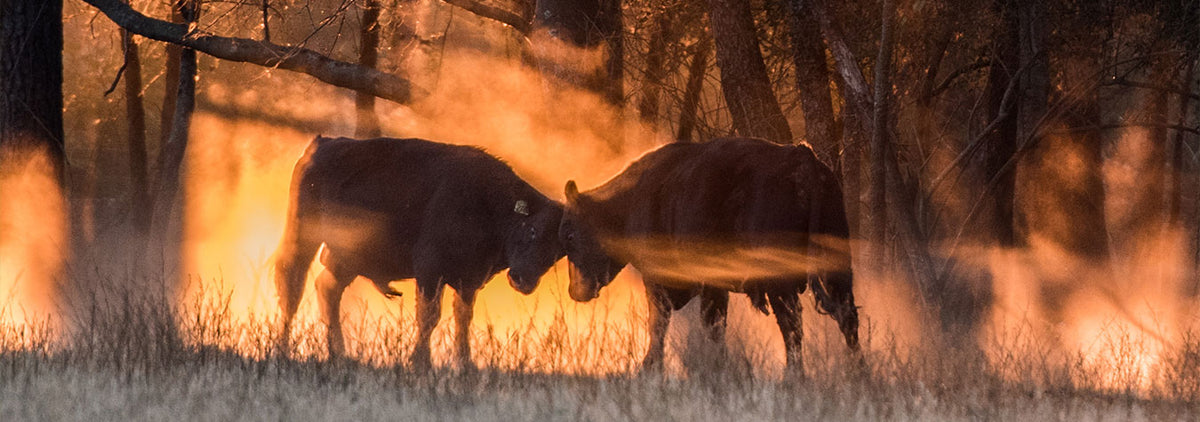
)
(1123, 81)
(1151, 125)
(1006, 106)
(334, 72)
(517, 22)
(266, 8)
(978, 64)
(117, 79)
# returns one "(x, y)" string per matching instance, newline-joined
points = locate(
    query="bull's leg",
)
(290, 276)
(330, 286)
(659, 319)
(714, 307)
(786, 307)
(464, 309)
(429, 309)
(289, 302)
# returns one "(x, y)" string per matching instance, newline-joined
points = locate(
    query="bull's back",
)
(722, 188)
(372, 199)
(717, 203)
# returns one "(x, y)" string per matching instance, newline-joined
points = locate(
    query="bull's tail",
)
(296, 249)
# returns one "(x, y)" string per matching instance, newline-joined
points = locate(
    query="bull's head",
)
(532, 245)
(591, 267)
(835, 296)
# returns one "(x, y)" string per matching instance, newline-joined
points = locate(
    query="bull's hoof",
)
(794, 373)
(652, 365)
(467, 366)
(420, 360)
(283, 347)
(392, 293)
(857, 365)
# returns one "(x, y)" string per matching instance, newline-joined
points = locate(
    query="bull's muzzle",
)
(581, 289)
(521, 284)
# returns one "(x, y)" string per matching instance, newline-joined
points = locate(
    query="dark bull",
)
(392, 209)
(684, 204)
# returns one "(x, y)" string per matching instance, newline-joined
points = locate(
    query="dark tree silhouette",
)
(744, 78)
(31, 100)
(367, 125)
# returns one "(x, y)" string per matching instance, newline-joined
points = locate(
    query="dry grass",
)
(133, 357)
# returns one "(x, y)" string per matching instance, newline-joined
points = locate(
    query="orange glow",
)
(1116, 329)
(237, 188)
(32, 244)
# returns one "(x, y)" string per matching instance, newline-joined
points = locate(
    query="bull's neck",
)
(610, 214)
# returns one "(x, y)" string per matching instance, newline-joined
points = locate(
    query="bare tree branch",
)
(517, 22)
(302, 60)
(1149, 125)
(976, 65)
(1123, 81)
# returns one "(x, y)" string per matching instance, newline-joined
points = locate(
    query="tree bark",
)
(31, 101)
(367, 122)
(856, 115)
(517, 21)
(744, 79)
(163, 226)
(135, 117)
(266, 9)
(853, 85)
(868, 119)
(1177, 157)
(1060, 197)
(691, 95)
(656, 69)
(303, 60)
(880, 140)
(812, 79)
(170, 84)
(996, 214)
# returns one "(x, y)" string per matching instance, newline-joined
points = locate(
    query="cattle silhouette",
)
(730, 215)
(391, 209)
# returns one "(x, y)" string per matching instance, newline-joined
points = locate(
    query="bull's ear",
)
(572, 192)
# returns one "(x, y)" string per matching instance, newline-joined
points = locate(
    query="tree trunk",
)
(135, 117)
(744, 79)
(1177, 157)
(31, 101)
(856, 117)
(880, 142)
(611, 24)
(691, 95)
(995, 215)
(266, 9)
(32, 165)
(656, 68)
(812, 80)
(868, 119)
(367, 123)
(1061, 196)
(170, 84)
(164, 238)
(584, 24)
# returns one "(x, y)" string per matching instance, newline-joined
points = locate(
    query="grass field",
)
(150, 360)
